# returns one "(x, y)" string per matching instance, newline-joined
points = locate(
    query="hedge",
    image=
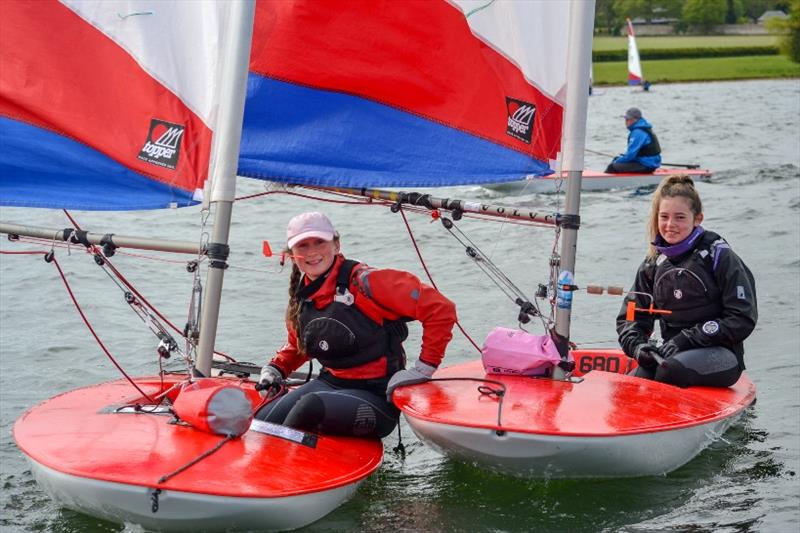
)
(686, 53)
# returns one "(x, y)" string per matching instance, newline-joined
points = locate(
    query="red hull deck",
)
(77, 433)
(604, 404)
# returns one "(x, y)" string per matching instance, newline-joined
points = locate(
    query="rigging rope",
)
(155, 494)
(486, 391)
(427, 272)
(49, 257)
(217, 446)
(136, 305)
(105, 260)
(166, 343)
(498, 277)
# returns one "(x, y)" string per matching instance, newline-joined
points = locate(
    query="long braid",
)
(293, 307)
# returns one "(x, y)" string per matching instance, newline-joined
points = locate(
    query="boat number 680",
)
(609, 363)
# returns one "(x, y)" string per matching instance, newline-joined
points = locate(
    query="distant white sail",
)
(634, 65)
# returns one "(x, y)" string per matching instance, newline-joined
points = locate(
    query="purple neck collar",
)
(674, 250)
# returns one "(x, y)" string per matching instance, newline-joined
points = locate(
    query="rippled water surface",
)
(748, 133)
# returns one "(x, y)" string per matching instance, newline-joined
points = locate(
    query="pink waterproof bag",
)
(517, 352)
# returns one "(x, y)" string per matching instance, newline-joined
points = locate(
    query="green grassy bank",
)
(709, 69)
(684, 41)
(694, 69)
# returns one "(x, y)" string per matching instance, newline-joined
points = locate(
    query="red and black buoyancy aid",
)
(340, 336)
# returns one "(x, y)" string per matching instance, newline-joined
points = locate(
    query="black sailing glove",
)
(678, 343)
(668, 349)
(645, 354)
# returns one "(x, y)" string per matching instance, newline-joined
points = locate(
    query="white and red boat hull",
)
(94, 459)
(608, 425)
(549, 456)
(593, 180)
(186, 511)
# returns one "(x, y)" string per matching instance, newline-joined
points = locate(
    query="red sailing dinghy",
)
(604, 424)
(599, 422)
(92, 449)
(95, 453)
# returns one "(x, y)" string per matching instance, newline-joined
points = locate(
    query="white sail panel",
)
(177, 43)
(532, 35)
(634, 65)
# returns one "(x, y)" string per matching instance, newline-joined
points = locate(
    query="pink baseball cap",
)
(307, 225)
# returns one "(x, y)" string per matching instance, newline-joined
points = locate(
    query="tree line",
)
(702, 16)
(683, 15)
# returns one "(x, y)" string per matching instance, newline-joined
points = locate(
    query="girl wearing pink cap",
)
(352, 319)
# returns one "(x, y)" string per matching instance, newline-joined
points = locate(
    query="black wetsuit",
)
(340, 335)
(711, 294)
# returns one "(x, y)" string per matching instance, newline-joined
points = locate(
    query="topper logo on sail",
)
(163, 143)
(520, 119)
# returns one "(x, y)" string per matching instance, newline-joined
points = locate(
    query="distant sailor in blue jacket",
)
(708, 290)
(644, 153)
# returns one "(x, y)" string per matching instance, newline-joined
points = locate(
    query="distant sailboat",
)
(635, 76)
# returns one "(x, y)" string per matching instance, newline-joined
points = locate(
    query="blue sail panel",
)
(308, 136)
(39, 168)
(105, 112)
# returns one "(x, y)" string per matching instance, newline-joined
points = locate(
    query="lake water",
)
(748, 133)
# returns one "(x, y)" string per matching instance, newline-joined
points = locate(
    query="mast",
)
(579, 54)
(235, 61)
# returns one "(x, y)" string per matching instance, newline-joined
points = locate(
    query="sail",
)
(411, 93)
(115, 108)
(634, 65)
(107, 104)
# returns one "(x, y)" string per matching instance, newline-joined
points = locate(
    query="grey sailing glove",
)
(410, 376)
(271, 378)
